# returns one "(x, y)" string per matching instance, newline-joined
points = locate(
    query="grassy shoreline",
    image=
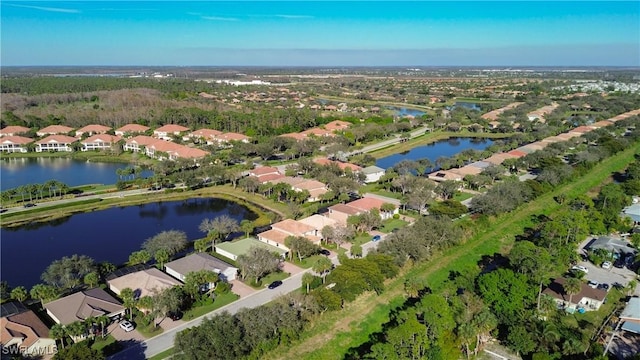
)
(333, 334)
(260, 206)
(429, 138)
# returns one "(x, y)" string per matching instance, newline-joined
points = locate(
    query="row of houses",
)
(327, 130)
(477, 167)
(23, 329)
(311, 226)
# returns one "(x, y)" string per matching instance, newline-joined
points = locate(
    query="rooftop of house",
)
(101, 138)
(15, 139)
(556, 290)
(93, 128)
(239, 247)
(132, 128)
(55, 129)
(197, 262)
(274, 235)
(82, 305)
(318, 221)
(25, 325)
(372, 170)
(264, 170)
(60, 139)
(13, 129)
(292, 226)
(143, 282)
(171, 128)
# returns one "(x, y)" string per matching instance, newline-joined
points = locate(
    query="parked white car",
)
(606, 265)
(593, 284)
(126, 326)
(580, 268)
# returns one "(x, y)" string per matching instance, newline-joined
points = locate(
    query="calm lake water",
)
(15, 172)
(107, 235)
(435, 150)
(401, 111)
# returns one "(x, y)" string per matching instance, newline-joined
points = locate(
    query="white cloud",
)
(218, 18)
(294, 16)
(49, 9)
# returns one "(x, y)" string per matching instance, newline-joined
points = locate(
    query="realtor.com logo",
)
(23, 350)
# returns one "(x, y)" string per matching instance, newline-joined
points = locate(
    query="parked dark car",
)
(28, 205)
(174, 315)
(275, 284)
(604, 286)
(325, 252)
(376, 238)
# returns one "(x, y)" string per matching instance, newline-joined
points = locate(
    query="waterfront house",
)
(92, 130)
(83, 305)
(167, 131)
(131, 129)
(138, 143)
(100, 142)
(55, 143)
(143, 282)
(233, 249)
(13, 130)
(54, 130)
(372, 174)
(180, 268)
(14, 143)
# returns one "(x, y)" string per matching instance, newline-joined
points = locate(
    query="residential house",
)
(342, 165)
(633, 212)
(318, 222)
(499, 158)
(588, 298)
(270, 178)
(100, 142)
(443, 175)
(131, 129)
(540, 113)
(55, 143)
(207, 135)
(54, 130)
(317, 132)
(337, 125)
(233, 249)
(493, 115)
(373, 173)
(138, 143)
(279, 231)
(341, 212)
(14, 143)
(25, 332)
(167, 132)
(143, 282)
(185, 152)
(13, 130)
(83, 305)
(315, 188)
(180, 268)
(92, 130)
(263, 170)
(615, 246)
(369, 203)
(295, 136)
(226, 138)
(630, 316)
(162, 150)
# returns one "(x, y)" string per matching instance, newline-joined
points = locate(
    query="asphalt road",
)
(165, 340)
(388, 142)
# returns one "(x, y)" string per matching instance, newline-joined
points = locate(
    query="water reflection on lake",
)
(107, 235)
(15, 172)
(433, 151)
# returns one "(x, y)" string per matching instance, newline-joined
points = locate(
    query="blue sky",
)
(321, 33)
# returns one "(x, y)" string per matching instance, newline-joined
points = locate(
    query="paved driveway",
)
(241, 289)
(290, 268)
(116, 331)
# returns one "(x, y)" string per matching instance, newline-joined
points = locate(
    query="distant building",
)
(131, 129)
(54, 130)
(13, 130)
(14, 143)
(92, 130)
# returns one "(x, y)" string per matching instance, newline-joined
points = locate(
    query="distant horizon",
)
(321, 33)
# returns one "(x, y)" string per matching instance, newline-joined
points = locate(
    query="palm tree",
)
(572, 286)
(322, 267)
(307, 280)
(102, 320)
(128, 300)
(58, 332)
(484, 322)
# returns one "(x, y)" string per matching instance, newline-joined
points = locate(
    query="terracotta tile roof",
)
(14, 130)
(517, 153)
(582, 129)
(341, 165)
(206, 133)
(15, 140)
(492, 115)
(101, 138)
(264, 170)
(292, 227)
(82, 305)
(166, 146)
(55, 129)
(186, 152)
(318, 221)
(291, 181)
(295, 136)
(60, 139)
(467, 170)
(317, 193)
(170, 129)
(132, 128)
(26, 325)
(345, 209)
(142, 140)
(602, 123)
(274, 235)
(310, 185)
(366, 204)
(317, 132)
(442, 175)
(337, 125)
(270, 178)
(232, 137)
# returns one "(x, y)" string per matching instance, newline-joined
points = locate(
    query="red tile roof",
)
(93, 128)
(366, 203)
(26, 325)
(101, 138)
(264, 170)
(206, 133)
(337, 125)
(293, 227)
(170, 129)
(15, 140)
(14, 130)
(133, 128)
(55, 129)
(60, 139)
(270, 178)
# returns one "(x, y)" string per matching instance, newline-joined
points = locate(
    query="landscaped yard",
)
(108, 345)
(306, 262)
(392, 224)
(220, 301)
(280, 275)
(462, 196)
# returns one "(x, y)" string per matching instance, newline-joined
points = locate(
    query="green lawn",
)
(107, 346)
(150, 331)
(392, 224)
(220, 301)
(389, 194)
(307, 262)
(462, 196)
(353, 325)
(361, 239)
(280, 275)
(164, 355)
